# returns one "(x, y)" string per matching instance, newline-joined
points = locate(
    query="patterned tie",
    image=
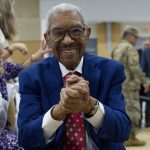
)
(74, 134)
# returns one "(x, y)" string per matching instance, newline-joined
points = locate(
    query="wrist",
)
(36, 57)
(94, 104)
(57, 114)
(9, 50)
(32, 59)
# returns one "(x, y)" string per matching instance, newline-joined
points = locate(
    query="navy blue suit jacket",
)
(40, 87)
(145, 61)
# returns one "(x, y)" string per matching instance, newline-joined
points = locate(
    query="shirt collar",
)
(65, 71)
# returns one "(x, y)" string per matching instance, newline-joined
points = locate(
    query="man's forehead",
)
(60, 17)
(63, 13)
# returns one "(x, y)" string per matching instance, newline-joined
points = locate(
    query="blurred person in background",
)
(145, 44)
(8, 138)
(126, 53)
(143, 95)
(145, 64)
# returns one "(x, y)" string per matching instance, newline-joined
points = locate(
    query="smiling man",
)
(74, 100)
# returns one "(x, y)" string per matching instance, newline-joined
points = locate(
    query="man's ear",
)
(88, 33)
(46, 37)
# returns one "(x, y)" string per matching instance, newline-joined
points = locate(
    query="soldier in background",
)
(126, 53)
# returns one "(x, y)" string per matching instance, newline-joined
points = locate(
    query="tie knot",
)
(70, 73)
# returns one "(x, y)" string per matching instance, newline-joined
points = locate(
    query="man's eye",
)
(76, 30)
(58, 32)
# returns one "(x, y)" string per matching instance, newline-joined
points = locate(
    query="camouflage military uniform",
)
(128, 56)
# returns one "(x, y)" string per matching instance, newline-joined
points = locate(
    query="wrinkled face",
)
(67, 36)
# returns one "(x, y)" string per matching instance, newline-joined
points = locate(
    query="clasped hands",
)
(74, 97)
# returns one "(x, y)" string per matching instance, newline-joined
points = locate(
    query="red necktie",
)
(74, 134)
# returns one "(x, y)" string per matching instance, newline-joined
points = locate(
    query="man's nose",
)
(67, 38)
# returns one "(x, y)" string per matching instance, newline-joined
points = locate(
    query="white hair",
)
(63, 7)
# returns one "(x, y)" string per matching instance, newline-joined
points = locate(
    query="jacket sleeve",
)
(116, 124)
(30, 115)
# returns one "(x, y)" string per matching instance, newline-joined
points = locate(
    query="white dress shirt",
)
(50, 125)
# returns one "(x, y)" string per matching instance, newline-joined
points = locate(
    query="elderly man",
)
(74, 100)
(125, 53)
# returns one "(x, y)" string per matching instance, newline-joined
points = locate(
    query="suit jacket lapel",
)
(91, 72)
(53, 81)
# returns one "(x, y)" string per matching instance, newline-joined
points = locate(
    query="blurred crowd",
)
(9, 71)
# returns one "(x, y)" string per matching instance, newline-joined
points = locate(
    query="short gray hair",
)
(63, 7)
